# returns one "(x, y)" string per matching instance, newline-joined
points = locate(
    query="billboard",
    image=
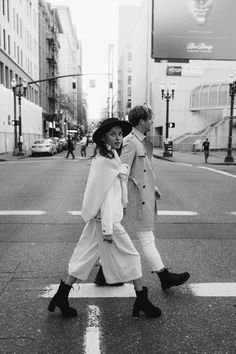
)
(184, 30)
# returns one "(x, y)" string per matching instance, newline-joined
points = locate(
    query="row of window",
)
(5, 44)
(6, 76)
(210, 96)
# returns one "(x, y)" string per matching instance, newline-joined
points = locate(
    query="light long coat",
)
(141, 209)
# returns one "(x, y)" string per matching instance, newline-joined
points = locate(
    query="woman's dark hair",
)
(101, 147)
(139, 112)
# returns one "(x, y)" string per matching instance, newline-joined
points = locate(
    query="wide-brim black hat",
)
(109, 123)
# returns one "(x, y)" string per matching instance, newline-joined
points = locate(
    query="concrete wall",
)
(31, 121)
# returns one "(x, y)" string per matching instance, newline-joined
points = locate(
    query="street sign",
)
(171, 125)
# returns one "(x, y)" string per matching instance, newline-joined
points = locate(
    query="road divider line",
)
(177, 213)
(92, 334)
(22, 212)
(217, 171)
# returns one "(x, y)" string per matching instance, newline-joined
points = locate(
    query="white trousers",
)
(120, 260)
(147, 242)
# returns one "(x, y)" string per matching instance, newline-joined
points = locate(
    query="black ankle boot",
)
(101, 281)
(143, 304)
(60, 299)
(169, 279)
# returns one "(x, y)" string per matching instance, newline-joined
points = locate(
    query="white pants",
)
(147, 241)
(120, 260)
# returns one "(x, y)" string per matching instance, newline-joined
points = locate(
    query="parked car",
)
(63, 143)
(43, 146)
(57, 143)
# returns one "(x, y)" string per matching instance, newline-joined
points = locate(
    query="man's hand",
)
(157, 193)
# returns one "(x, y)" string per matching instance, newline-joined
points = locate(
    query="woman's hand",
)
(107, 238)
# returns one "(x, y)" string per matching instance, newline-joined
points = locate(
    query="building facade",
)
(192, 124)
(19, 60)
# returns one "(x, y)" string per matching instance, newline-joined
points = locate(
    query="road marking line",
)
(90, 290)
(231, 212)
(92, 335)
(184, 164)
(22, 212)
(217, 171)
(74, 212)
(159, 212)
(177, 212)
(214, 289)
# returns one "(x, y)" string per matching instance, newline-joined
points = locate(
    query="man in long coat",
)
(141, 210)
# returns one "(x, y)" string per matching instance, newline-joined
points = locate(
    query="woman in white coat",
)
(103, 235)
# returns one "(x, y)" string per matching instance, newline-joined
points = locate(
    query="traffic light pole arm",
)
(62, 76)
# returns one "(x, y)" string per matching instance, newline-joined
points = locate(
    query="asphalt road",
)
(195, 231)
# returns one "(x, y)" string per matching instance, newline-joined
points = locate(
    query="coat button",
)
(144, 170)
(143, 202)
(144, 186)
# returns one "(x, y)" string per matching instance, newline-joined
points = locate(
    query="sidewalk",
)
(215, 157)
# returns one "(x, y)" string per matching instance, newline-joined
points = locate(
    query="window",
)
(7, 77)
(4, 39)
(8, 12)
(9, 45)
(204, 96)
(18, 55)
(3, 7)
(129, 80)
(223, 93)
(129, 91)
(129, 56)
(17, 23)
(1, 73)
(213, 96)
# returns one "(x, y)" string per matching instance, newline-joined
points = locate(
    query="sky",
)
(96, 26)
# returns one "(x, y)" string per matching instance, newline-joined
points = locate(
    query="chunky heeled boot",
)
(169, 279)
(60, 299)
(143, 304)
(101, 281)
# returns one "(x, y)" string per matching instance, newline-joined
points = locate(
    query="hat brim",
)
(102, 130)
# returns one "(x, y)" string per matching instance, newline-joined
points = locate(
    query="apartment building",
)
(19, 60)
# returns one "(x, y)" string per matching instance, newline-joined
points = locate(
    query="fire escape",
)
(52, 84)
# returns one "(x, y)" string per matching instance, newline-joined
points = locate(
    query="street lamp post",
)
(232, 92)
(165, 94)
(19, 90)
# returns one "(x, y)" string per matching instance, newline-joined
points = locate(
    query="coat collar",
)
(138, 134)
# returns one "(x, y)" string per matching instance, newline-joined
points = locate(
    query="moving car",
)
(43, 146)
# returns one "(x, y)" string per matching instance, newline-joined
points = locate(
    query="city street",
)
(40, 223)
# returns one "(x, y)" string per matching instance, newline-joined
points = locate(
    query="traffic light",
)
(74, 84)
(171, 125)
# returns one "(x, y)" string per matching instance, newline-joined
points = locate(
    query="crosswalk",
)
(78, 212)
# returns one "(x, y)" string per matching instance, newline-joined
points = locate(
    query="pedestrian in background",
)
(84, 144)
(70, 147)
(103, 235)
(143, 193)
(206, 149)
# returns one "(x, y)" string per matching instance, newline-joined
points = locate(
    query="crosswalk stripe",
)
(177, 212)
(90, 290)
(214, 289)
(22, 212)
